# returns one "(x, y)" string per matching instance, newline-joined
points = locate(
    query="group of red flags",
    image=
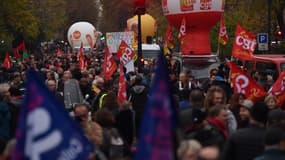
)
(125, 54)
(16, 52)
(243, 47)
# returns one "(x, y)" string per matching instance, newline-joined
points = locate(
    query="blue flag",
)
(45, 130)
(156, 138)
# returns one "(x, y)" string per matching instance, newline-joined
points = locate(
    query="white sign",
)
(114, 39)
(262, 39)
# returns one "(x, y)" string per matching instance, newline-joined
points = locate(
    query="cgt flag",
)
(168, 40)
(182, 31)
(223, 36)
(158, 125)
(244, 43)
(80, 57)
(278, 89)
(244, 84)
(109, 65)
(45, 130)
(122, 92)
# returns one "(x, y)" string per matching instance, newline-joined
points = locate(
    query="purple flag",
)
(46, 131)
(158, 126)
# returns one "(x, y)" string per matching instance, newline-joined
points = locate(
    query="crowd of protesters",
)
(214, 122)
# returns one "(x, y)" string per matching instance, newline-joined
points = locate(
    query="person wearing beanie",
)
(247, 143)
(273, 140)
(244, 113)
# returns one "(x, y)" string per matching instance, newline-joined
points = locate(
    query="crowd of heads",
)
(210, 114)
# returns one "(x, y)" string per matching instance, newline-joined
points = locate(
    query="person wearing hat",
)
(247, 143)
(274, 139)
(244, 113)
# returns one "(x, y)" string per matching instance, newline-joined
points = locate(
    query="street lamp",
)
(139, 10)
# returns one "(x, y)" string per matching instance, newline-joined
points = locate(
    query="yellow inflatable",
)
(148, 26)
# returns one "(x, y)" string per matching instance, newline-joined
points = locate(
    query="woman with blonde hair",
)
(271, 101)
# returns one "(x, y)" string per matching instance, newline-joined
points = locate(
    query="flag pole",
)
(219, 30)
(219, 45)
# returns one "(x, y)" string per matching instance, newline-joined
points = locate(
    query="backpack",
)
(113, 144)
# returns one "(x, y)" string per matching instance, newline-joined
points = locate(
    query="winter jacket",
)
(272, 154)
(244, 144)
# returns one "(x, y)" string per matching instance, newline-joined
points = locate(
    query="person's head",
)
(192, 119)
(258, 112)
(244, 110)
(274, 138)
(51, 84)
(188, 150)
(219, 112)
(50, 75)
(182, 77)
(271, 101)
(98, 82)
(67, 75)
(276, 118)
(209, 153)
(196, 98)
(81, 113)
(236, 99)
(4, 91)
(104, 117)
(83, 82)
(213, 71)
(17, 77)
(215, 95)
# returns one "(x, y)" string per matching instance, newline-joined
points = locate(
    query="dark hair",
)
(273, 136)
(259, 111)
(196, 98)
(215, 110)
(105, 118)
(77, 105)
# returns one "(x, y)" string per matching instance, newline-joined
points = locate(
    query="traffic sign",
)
(262, 39)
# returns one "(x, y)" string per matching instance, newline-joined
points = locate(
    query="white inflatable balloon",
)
(82, 32)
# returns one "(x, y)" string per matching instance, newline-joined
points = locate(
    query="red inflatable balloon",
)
(200, 16)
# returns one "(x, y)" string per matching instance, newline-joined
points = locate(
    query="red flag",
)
(16, 50)
(59, 52)
(80, 57)
(223, 36)
(182, 30)
(7, 61)
(244, 43)
(169, 41)
(122, 92)
(109, 66)
(278, 89)
(244, 84)
(125, 53)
